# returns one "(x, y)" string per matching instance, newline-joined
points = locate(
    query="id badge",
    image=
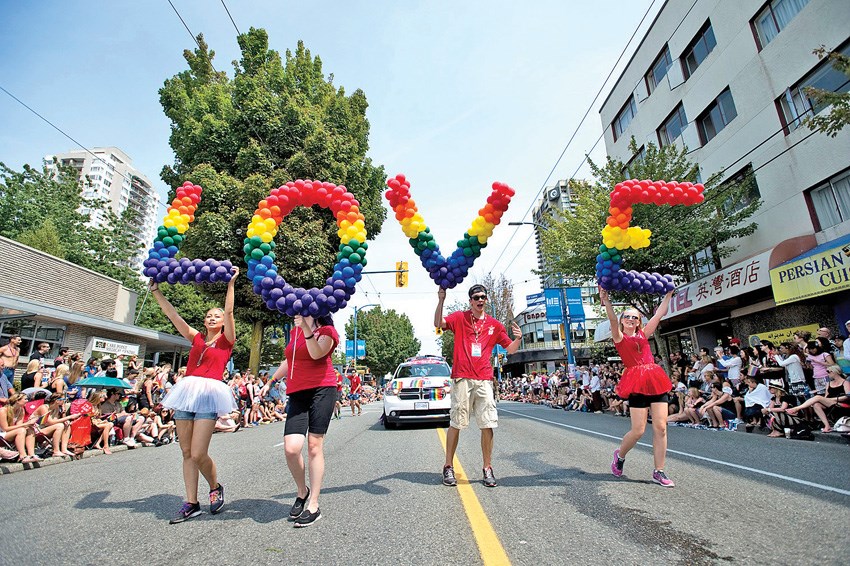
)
(476, 350)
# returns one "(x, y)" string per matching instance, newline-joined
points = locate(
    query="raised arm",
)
(659, 314)
(612, 317)
(168, 310)
(229, 321)
(439, 321)
(516, 331)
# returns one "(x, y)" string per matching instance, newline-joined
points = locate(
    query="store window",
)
(33, 333)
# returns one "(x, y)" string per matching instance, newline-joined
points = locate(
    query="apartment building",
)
(727, 81)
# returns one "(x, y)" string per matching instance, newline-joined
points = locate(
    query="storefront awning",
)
(820, 271)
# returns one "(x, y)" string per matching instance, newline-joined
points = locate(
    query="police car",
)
(420, 391)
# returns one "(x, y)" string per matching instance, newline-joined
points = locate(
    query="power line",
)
(578, 127)
(231, 18)
(67, 135)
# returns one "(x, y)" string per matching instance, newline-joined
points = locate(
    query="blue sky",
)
(461, 94)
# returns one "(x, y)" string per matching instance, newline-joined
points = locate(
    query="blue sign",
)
(574, 304)
(554, 307)
(534, 300)
(499, 350)
(349, 348)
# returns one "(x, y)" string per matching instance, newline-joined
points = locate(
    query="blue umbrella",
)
(97, 382)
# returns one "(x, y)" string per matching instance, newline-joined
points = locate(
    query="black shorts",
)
(310, 410)
(638, 401)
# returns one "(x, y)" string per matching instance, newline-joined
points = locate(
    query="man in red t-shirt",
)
(475, 334)
(354, 394)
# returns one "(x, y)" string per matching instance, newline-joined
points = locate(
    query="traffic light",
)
(401, 274)
(501, 358)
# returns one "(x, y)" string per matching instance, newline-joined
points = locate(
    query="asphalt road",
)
(739, 498)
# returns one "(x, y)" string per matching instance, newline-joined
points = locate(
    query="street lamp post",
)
(355, 330)
(562, 292)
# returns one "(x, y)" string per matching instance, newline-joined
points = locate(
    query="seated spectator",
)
(780, 419)
(756, 398)
(33, 375)
(101, 428)
(52, 423)
(112, 410)
(15, 428)
(720, 407)
(689, 408)
(837, 399)
(77, 373)
(164, 425)
(228, 423)
(57, 382)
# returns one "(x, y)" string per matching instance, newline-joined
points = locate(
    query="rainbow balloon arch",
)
(618, 235)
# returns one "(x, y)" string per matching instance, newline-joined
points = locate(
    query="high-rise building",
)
(728, 81)
(555, 200)
(112, 178)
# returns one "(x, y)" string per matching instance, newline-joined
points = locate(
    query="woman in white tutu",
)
(201, 397)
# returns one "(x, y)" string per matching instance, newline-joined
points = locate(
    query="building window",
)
(672, 127)
(773, 18)
(32, 333)
(703, 262)
(624, 118)
(831, 201)
(716, 117)
(753, 194)
(638, 158)
(794, 104)
(698, 50)
(658, 69)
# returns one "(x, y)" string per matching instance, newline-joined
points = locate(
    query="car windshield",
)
(424, 370)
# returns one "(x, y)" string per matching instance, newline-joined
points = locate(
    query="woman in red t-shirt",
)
(201, 397)
(311, 388)
(644, 384)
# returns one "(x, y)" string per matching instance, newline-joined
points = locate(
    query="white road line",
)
(696, 457)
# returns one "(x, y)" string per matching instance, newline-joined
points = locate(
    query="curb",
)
(12, 467)
(831, 437)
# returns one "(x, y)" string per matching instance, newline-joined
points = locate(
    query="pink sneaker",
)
(659, 477)
(617, 464)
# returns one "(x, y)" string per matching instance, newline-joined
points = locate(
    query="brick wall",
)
(34, 275)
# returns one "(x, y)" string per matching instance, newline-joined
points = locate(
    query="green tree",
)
(276, 120)
(40, 206)
(839, 116)
(389, 339)
(570, 242)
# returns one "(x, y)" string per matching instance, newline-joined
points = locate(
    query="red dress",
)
(642, 375)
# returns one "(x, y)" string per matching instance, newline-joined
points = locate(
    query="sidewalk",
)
(12, 467)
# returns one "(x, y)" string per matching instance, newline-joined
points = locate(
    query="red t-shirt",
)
(214, 360)
(338, 382)
(489, 333)
(304, 371)
(355, 383)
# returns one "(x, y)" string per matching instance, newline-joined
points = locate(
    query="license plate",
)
(420, 406)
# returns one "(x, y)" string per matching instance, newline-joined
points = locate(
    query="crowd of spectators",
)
(791, 389)
(45, 412)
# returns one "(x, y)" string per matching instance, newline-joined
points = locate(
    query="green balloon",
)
(355, 258)
(247, 249)
(467, 252)
(172, 231)
(606, 255)
(168, 241)
(257, 253)
(265, 248)
(432, 245)
(177, 239)
(256, 241)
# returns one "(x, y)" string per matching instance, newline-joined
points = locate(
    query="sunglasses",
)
(478, 297)
(630, 317)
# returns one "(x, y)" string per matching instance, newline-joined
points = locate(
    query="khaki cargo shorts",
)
(473, 396)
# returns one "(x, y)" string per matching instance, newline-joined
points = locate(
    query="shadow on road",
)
(162, 506)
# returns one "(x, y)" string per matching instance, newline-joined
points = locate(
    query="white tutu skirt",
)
(197, 394)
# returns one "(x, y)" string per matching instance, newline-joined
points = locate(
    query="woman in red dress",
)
(201, 397)
(644, 384)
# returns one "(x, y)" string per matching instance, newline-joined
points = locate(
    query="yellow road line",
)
(489, 545)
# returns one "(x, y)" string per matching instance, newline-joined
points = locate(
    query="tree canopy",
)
(571, 241)
(277, 120)
(42, 209)
(389, 339)
(839, 116)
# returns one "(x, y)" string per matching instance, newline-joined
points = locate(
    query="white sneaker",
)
(130, 442)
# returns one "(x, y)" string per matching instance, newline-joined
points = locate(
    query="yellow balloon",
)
(267, 237)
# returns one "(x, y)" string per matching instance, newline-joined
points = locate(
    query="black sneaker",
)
(449, 476)
(187, 511)
(298, 506)
(306, 518)
(489, 479)
(216, 499)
